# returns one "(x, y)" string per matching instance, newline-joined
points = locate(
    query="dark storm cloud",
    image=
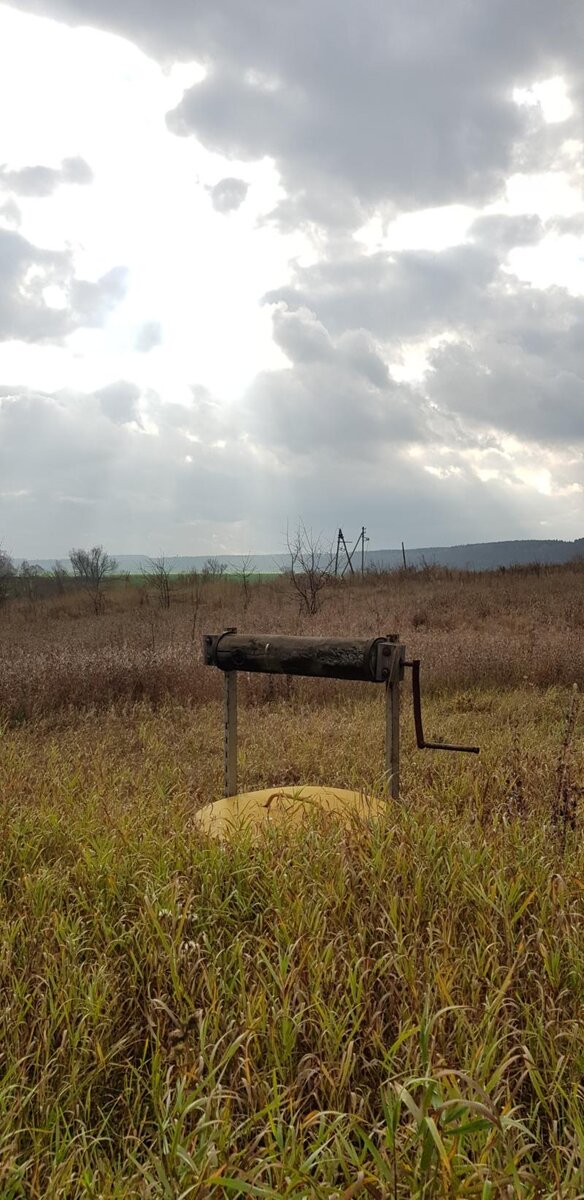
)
(228, 195)
(29, 312)
(43, 181)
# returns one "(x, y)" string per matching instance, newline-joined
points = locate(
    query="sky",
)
(263, 263)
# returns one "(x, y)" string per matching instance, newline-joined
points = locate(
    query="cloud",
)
(365, 112)
(502, 386)
(121, 467)
(42, 299)
(396, 104)
(42, 181)
(118, 401)
(91, 301)
(10, 212)
(149, 336)
(336, 397)
(76, 467)
(501, 232)
(228, 195)
(509, 358)
(413, 293)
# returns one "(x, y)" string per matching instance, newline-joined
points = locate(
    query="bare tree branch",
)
(60, 575)
(245, 574)
(6, 575)
(310, 567)
(158, 574)
(29, 575)
(91, 567)
(213, 568)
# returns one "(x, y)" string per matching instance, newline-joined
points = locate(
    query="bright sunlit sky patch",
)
(246, 259)
(148, 209)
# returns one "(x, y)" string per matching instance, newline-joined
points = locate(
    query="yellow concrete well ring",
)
(284, 806)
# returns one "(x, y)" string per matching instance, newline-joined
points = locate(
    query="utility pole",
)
(341, 542)
(350, 554)
(363, 540)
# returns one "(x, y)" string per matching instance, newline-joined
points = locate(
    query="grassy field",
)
(390, 1009)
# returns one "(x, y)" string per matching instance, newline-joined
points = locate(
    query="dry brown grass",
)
(469, 629)
(397, 1004)
(392, 1010)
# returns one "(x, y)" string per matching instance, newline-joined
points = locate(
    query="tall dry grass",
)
(390, 1010)
(469, 629)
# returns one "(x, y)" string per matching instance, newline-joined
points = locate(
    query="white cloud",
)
(550, 95)
(41, 180)
(228, 194)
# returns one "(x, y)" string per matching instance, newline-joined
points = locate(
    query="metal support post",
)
(392, 737)
(392, 704)
(230, 745)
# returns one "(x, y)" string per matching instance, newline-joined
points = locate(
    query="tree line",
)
(90, 570)
(309, 571)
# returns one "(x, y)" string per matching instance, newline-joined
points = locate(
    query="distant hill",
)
(477, 556)
(483, 556)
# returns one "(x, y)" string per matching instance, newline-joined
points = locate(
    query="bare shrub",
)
(60, 575)
(245, 573)
(6, 575)
(91, 568)
(310, 568)
(30, 578)
(157, 574)
(213, 568)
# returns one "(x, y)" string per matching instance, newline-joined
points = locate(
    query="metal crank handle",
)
(422, 744)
